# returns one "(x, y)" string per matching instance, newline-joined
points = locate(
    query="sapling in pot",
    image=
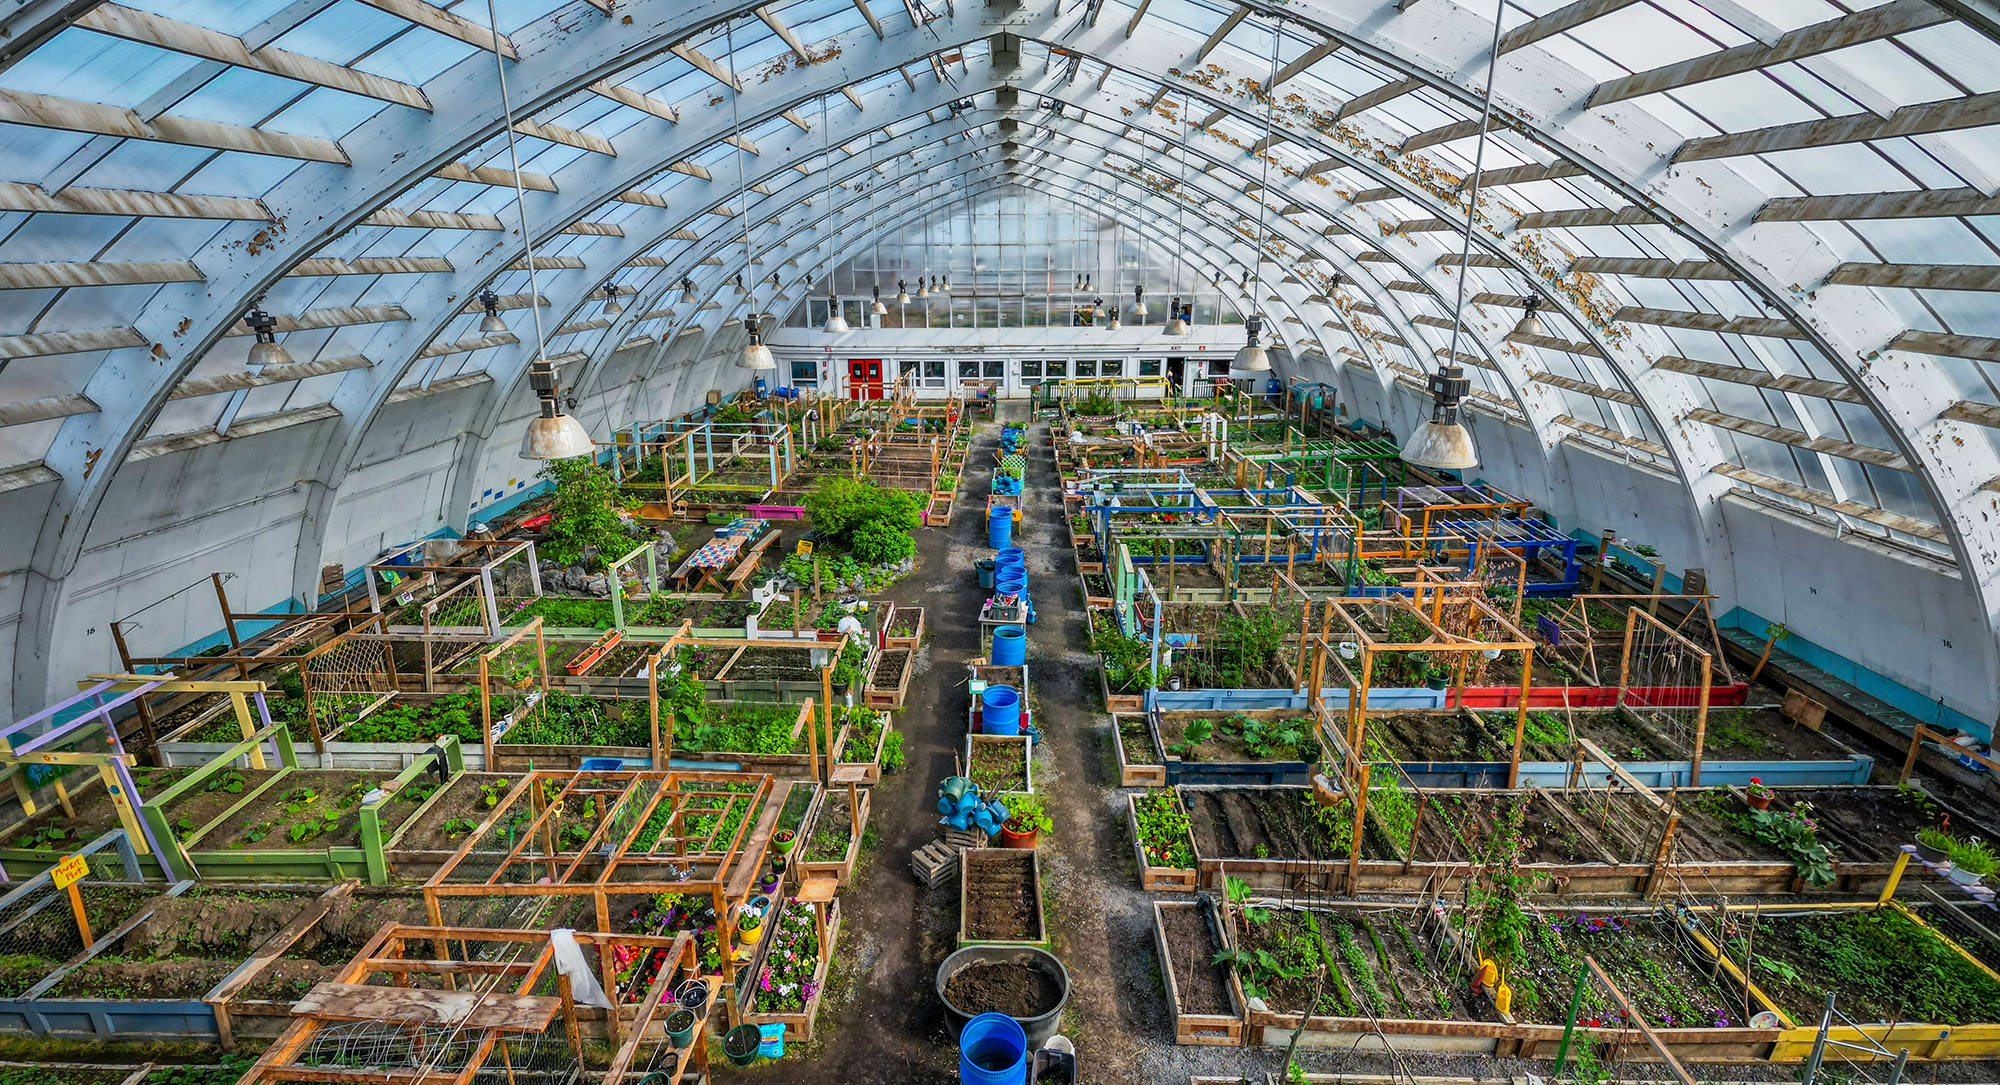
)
(1971, 861)
(1934, 844)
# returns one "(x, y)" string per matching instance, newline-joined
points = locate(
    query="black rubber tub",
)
(1038, 1028)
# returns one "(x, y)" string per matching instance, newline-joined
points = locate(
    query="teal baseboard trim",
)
(1887, 690)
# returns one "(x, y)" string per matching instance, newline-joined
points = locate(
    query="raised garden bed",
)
(1000, 763)
(1138, 765)
(889, 680)
(789, 974)
(1000, 897)
(871, 743)
(1162, 842)
(830, 849)
(1261, 746)
(905, 627)
(1204, 998)
(428, 838)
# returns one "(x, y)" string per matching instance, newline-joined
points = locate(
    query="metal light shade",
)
(268, 354)
(1177, 326)
(1529, 324)
(612, 307)
(687, 295)
(1139, 309)
(902, 295)
(1114, 322)
(555, 437)
(492, 324)
(922, 290)
(878, 308)
(756, 355)
(836, 324)
(1251, 357)
(1443, 445)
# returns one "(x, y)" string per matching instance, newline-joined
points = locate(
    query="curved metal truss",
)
(1762, 246)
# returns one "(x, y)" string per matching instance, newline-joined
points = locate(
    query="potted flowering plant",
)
(1757, 795)
(783, 840)
(750, 928)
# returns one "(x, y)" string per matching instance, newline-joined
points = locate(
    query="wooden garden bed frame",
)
(826, 916)
(889, 696)
(248, 653)
(1198, 1029)
(1158, 879)
(1134, 773)
(504, 1010)
(1029, 857)
(674, 863)
(859, 803)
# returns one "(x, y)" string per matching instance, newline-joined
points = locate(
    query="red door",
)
(864, 378)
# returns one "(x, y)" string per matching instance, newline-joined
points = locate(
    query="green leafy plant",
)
(1196, 733)
(1795, 833)
(1163, 831)
(227, 783)
(892, 752)
(1028, 814)
(492, 792)
(871, 522)
(584, 515)
(1973, 857)
(1936, 836)
(848, 667)
(458, 827)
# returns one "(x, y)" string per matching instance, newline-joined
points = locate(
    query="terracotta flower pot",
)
(1758, 802)
(1011, 839)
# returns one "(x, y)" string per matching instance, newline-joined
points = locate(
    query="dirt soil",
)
(1203, 985)
(341, 791)
(95, 811)
(1000, 896)
(1458, 825)
(1706, 833)
(785, 664)
(1137, 737)
(1442, 736)
(1764, 732)
(463, 799)
(1017, 990)
(1868, 824)
(1229, 823)
(888, 668)
(1225, 742)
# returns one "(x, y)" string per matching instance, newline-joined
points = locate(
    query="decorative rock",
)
(598, 585)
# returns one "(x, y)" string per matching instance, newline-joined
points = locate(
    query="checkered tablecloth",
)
(721, 550)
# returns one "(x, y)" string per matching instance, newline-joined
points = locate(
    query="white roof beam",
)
(1567, 17)
(1757, 378)
(112, 201)
(444, 22)
(71, 115)
(146, 28)
(1896, 17)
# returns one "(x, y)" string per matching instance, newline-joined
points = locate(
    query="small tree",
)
(872, 523)
(584, 515)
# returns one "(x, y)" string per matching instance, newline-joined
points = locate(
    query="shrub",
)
(871, 522)
(584, 514)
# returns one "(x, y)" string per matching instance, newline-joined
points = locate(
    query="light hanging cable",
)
(1251, 357)
(552, 434)
(835, 323)
(755, 354)
(1178, 324)
(1443, 442)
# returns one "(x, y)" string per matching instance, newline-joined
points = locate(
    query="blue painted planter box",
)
(110, 1019)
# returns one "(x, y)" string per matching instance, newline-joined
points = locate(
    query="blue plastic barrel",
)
(993, 1051)
(999, 527)
(1000, 711)
(1009, 587)
(1010, 646)
(1011, 555)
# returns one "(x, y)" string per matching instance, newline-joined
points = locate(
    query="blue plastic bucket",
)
(1010, 646)
(1000, 711)
(993, 1050)
(999, 527)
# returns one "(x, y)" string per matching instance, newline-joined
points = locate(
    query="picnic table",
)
(712, 559)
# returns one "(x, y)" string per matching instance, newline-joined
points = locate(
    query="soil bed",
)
(1017, 990)
(1443, 736)
(1258, 736)
(888, 668)
(1458, 826)
(1765, 732)
(1665, 975)
(1000, 896)
(1283, 822)
(774, 663)
(1871, 824)
(1880, 966)
(1710, 830)
(832, 830)
(1203, 985)
(1551, 733)
(1383, 965)
(999, 766)
(50, 829)
(451, 819)
(298, 816)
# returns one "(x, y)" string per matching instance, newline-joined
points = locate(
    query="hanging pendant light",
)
(738, 280)
(267, 350)
(491, 323)
(902, 293)
(552, 435)
(922, 290)
(876, 306)
(1531, 321)
(1139, 302)
(1251, 357)
(755, 354)
(687, 291)
(1443, 442)
(1176, 326)
(611, 304)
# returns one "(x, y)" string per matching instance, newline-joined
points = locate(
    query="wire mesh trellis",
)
(346, 677)
(1668, 676)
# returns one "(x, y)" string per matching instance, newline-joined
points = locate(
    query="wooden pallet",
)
(934, 864)
(965, 838)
